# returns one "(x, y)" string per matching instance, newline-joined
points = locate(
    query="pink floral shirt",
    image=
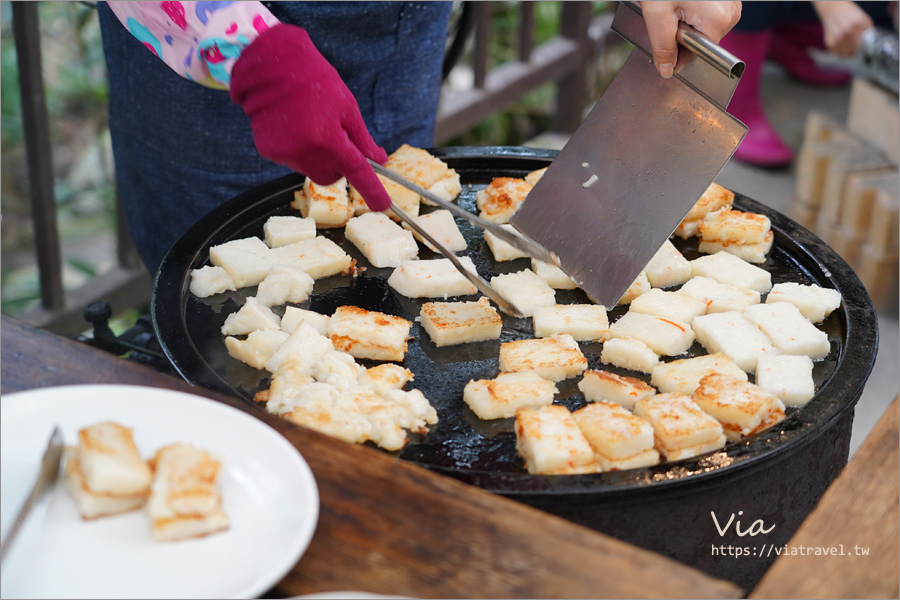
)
(198, 40)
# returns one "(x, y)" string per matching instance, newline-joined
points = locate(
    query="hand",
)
(302, 114)
(843, 24)
(712, 19)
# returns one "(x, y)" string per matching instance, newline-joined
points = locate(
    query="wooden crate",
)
(859, 198)
(873, 115)
(883, 235)
(880, 276)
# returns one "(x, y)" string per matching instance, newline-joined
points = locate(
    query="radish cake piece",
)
(452, 323)
(550, 442)
(639, 286)
(668, 267)
(735, 336)
(369, 334)
(426, 170)
(281, 231)
(327, 205)
(524, 289)
(553, 275)
(535, 175)
(257, 348)
(440, 225)
(246, 260)
(283, 284)
(684, 375)
(294, 316)
(581, 321)
(499, 398)
(752, 253)
(437, 278)
(735, 226)
(815, 302)
(619, 439)
(789, 330)
(674, 306)
(406, 200)
(207, 281)
(629, 353)
(681, 428)
(719, 297)
(713, 199)
(319, 257)
(725, 267)
(501, 198)
(501, 250)
(382, 242)
(557, 357)
(604, 385)
(788, 378)
(252, 316)
(386, 376)
(304, 347)
(743, 409)
(664, 336)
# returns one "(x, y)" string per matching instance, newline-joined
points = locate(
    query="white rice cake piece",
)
(385, 417)
(386, 376)
(303, 347)
(525, 289)
(440, 225)
(501, 250)
(281, 230)
(436, 278)
(369, 334)
(550, 442)
(629, 353)
(327, 205)
(421, 411)
(719, 297)
(499, 398)
(725, 267)
(814, 302)
(294, 316)
(664, 336)
(668, 267)
(452, 323)
(208, 281)
(338, 369)
(619, 439)
(687, 228)
(382, 242)
(752, 253)
(252, 316)
(288, 386)
(315, 405)
(185, 500)
(684, 375)
(735, 336)
(668, 305)
(247, 260)
(735, 226)
(598, 385)
(639, 286)
(715, 198)
(789, 378)
(553, 275)
(92, 505)
(535, 175)
(581, 321)
(501, 198)
(257, 348)
(407, 200)
(446, 188)
(110, 462)
(743, 408)
(681, 428)
(417, 165)
(284, 283)
(558, 357)
(789, 330)
(320, 257)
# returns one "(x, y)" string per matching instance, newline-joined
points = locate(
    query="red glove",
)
(302, 114)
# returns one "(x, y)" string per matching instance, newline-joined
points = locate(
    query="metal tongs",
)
(519, 241)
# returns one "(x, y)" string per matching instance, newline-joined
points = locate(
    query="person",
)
(785, 32)
(312, 87)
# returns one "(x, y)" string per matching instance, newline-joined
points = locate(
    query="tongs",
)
(517, 240)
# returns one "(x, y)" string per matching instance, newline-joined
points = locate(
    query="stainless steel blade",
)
(483, 286)
(519, 241)
(633, 169)
(49, 470)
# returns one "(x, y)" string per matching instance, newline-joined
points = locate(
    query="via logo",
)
(755, 528)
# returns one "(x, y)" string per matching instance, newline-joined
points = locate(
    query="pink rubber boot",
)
(762, 146)
(789, 48)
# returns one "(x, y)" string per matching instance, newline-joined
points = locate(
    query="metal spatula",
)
(637, 164)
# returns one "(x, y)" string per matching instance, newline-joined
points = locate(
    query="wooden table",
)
(388, 526)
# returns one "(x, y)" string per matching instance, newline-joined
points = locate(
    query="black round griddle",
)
(483, 452)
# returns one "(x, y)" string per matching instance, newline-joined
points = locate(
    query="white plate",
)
(268, 490)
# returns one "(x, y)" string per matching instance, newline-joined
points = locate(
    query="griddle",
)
(460, 445)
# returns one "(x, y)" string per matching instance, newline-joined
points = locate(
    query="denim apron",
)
(182, 149)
